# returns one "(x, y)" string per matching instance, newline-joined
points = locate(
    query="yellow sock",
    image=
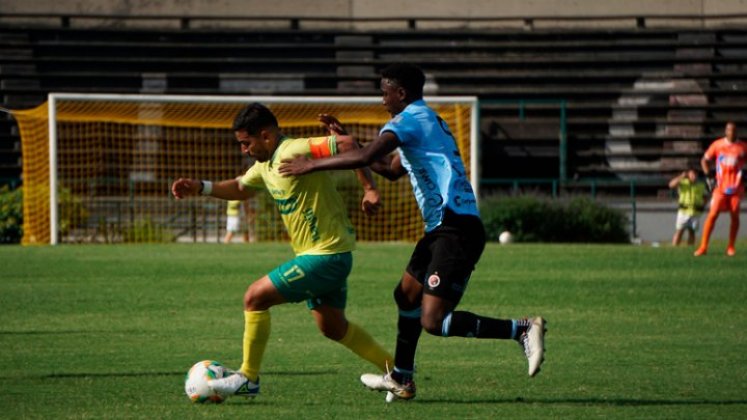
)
(256, 335)
(361, 343)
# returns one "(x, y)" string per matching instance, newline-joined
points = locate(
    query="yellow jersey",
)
(692, 196)
(311, 208)
(233, 208)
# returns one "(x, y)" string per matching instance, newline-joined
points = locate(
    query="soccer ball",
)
(506, 238)
(196, 381)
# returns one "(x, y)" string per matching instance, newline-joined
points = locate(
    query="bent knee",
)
(432, 325)
(334, 334)
(403, 301)
(254, 300)
(250, 299)
(333, 330)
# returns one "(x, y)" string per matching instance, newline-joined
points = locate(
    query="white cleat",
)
(235, 384)
(395, 390)
(533, 342)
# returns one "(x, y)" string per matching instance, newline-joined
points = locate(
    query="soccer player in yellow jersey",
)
(321, 235)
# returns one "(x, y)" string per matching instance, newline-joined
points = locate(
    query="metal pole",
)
(633, 212)
(194, 222)
(204, 224)
(131, 187)
(219, 222)
(554, 188)
(563, 152)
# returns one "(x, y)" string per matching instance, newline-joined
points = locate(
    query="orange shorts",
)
(722, 202)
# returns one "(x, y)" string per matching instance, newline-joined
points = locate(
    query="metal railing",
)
(562, 130)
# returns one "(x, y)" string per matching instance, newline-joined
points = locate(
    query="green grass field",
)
(109, 331)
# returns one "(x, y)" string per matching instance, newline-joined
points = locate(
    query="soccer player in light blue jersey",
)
(440, 267)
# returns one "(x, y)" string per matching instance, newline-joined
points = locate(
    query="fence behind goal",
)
(110, 160)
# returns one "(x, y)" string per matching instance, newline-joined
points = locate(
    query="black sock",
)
(408, 333)
(467, 324)
(521, 325)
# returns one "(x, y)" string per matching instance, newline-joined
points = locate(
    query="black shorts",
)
(444, 258)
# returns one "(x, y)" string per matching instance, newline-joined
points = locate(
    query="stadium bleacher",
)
(640, 103)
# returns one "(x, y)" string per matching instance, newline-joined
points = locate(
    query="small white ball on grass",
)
(506, 238)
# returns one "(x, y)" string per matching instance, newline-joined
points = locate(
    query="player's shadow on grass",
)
(618, 402)
(166, 373)
(65, 332)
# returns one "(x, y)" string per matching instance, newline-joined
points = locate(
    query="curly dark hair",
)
(408, 76)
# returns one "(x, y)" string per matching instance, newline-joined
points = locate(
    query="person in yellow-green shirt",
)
(233, 222)
(692, 194)
(320, 233)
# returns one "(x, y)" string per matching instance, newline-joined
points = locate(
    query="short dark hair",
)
(408, 76)
(732, 122)
(254, 118)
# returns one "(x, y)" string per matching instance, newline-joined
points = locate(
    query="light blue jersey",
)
(429, 154)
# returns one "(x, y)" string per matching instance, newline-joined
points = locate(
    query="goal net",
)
(98, 167)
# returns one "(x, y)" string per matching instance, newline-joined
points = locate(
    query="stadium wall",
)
(655, 223)
(361, 9)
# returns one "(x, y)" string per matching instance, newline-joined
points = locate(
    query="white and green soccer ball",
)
(196, 381)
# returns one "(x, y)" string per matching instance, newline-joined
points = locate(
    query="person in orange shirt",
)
(730, 155)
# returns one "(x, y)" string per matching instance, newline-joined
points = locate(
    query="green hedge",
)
(72, 213)
(146, 230)
(11, 215)
(535, 219)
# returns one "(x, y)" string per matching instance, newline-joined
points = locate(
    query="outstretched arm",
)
(347, 144)
(229, 189)
(390, 167)
(359, 158)
(371, 199)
